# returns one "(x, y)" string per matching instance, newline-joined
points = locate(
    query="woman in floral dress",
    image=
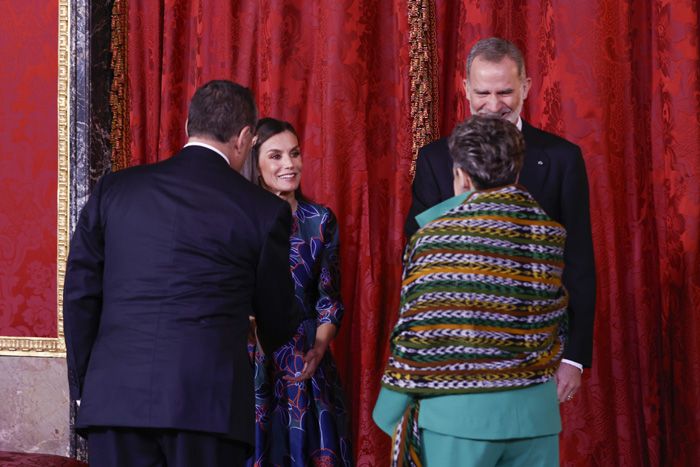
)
(301, 416)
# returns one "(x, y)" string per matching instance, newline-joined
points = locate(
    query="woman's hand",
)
(311, 361)
(324, 335)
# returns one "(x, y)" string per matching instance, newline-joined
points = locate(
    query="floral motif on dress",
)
(305, 423)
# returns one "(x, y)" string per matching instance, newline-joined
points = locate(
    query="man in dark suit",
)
(167, 263)
(553, 172)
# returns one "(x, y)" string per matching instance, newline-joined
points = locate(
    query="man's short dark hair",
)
(489, 149)
(221, 109)
(495, 49)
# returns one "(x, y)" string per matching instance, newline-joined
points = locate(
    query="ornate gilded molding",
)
(63, 232)
(55, 346)
(423, 74)
(34, 346)
(119, 95)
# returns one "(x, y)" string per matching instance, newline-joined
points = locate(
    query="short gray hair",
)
(495, 49)
(489, 149)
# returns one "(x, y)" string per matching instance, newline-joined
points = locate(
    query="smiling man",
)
(496, 84)
(553, 172)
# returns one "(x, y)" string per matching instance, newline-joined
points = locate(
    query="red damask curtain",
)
(336, 70)
(622, 80)
(619, 78)
(28, 173)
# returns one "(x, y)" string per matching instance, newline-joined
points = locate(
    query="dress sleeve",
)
(389, 409)
(329, 307)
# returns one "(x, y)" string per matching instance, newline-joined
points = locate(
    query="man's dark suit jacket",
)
(555, 174)
(166, 264)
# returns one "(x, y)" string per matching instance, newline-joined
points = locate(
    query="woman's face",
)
(280, 164)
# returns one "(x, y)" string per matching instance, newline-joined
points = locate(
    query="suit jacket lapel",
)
(536, 164)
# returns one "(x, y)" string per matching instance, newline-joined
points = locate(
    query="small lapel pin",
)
(540, 163)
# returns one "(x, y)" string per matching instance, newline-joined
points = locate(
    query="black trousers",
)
(146, 447)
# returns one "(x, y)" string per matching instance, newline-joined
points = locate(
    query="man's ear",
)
(246, 134)
(245, 137)
(526, 86)
(466, 87)
(239, 147)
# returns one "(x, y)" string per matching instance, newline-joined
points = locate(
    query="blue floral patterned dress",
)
(305, 423)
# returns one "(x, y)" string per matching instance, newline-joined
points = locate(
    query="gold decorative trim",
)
(55, 346)
(119, 95)
(423, 74)
(33, 346)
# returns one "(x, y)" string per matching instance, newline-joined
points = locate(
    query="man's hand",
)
(568, 381)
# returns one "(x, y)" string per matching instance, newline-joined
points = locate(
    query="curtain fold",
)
(619, 78)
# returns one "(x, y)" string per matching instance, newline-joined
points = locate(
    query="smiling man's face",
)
(496, 89)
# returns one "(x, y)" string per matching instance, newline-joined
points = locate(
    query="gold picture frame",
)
(55, 346)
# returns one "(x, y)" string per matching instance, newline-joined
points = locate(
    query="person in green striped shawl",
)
(482, 320)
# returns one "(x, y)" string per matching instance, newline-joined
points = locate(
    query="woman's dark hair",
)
(491, 150)
(267, 128)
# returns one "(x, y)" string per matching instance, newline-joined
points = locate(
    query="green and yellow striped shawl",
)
(483, 307)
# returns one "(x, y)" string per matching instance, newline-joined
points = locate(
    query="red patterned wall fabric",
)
(622, 80)
(619, 78)
(28, 168)
(339, 72)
